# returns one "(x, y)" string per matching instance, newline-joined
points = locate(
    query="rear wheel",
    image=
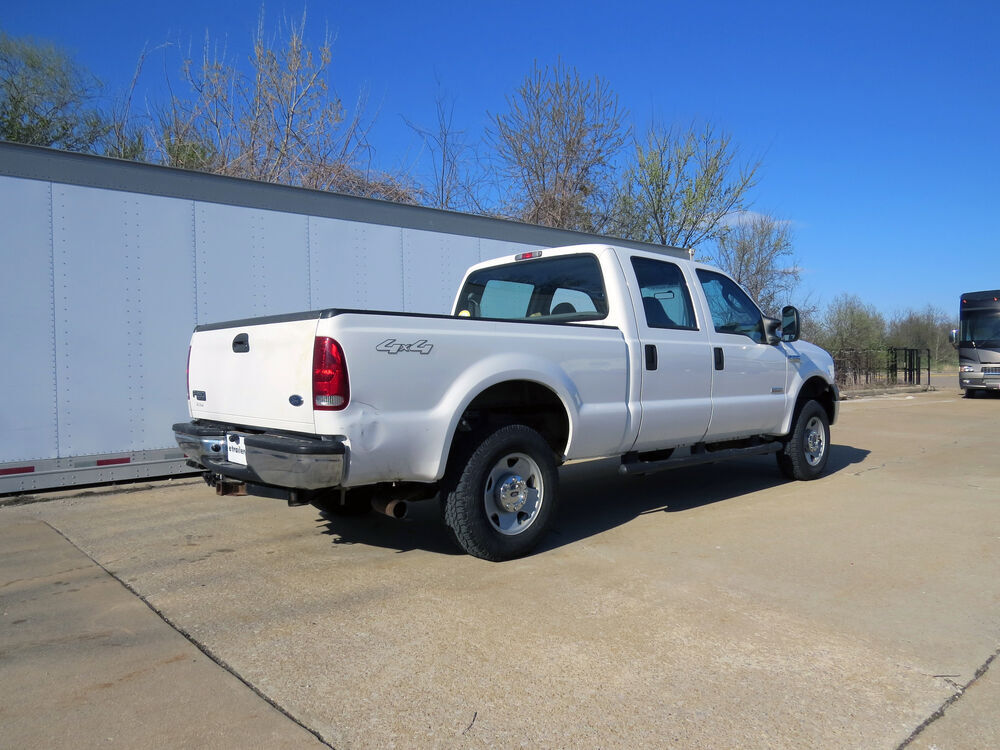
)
(807, 450)
(505, 494)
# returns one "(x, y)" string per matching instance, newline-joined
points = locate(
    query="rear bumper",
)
(308, 463)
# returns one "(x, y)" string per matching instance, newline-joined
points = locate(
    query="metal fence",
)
(882, 368)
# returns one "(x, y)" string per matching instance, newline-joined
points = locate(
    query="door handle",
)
(720, 358)
(651, 356)
(241, 344)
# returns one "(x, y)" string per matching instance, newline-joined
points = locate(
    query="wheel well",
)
(519, 402)
(817, 389)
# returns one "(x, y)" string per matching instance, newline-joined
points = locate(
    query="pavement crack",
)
(201, 647)
(960, 690)
(474, 715)
(871, 468)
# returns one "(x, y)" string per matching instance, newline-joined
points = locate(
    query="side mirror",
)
(789, 324)
(953, 337)
(771, 326)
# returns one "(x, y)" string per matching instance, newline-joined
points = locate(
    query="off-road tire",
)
(807, 450)
(514, 460)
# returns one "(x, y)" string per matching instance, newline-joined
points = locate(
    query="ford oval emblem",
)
(295, 400)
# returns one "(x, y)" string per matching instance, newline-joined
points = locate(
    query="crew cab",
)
(548, 356)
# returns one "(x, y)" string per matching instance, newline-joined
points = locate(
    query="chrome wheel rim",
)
(815, 441)
(513, 494)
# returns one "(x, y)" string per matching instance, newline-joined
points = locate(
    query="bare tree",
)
(681, 186)
(127, 138)
(757, 252)
(453, 183)
(555, 145)
(282, 122)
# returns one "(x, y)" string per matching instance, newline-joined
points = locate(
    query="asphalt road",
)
(708, 607)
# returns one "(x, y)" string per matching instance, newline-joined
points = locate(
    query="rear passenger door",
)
(676, 386)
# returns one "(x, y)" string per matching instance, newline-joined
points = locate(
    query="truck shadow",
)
(421, 529)
(594, 498)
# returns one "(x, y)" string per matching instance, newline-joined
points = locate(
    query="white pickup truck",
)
(551, 355)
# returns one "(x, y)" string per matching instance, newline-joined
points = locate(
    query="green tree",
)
(46, 99)
(681, 186)
(924, 329)
(851, 325)
(554, 148)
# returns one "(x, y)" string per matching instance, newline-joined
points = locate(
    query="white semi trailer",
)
(108, 265)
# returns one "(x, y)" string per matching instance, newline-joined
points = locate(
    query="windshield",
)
(556, 290)
(981, 328)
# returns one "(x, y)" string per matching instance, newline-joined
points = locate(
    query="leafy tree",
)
(46, 99)
(924, 329)
(554, 148)
(850, 324)
(757, 252)
(681, 186)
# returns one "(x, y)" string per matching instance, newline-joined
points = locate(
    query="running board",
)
(633, 465)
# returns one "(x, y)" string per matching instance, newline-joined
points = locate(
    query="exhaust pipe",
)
(392, 508)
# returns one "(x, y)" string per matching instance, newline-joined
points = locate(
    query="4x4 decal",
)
(391, 346)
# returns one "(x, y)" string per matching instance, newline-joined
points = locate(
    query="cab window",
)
(666, 301)
(732, 310)
(557, 290)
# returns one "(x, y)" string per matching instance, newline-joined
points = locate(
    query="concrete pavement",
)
(85, 664)
(714, 606)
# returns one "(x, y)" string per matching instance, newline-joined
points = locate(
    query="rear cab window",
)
(564, 289)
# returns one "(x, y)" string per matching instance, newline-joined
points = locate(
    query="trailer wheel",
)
(807, 450)
(504, 495)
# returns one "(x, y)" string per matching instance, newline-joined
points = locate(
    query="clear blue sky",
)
(877, 122)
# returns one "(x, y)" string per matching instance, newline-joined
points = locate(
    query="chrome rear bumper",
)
(308, 463)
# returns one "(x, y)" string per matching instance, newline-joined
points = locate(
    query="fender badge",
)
(295, 400)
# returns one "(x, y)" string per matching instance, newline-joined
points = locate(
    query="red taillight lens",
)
(331, 390)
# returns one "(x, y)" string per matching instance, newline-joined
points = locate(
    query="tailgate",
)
(256, 373)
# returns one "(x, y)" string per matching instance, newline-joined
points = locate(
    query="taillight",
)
(188, 381)
(331, 390)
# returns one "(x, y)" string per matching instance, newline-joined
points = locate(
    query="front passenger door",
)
(749, 384)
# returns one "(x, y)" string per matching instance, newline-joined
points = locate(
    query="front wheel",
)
(505, 494)
(805, 454)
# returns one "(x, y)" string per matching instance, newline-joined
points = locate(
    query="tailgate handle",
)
(241, 344)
